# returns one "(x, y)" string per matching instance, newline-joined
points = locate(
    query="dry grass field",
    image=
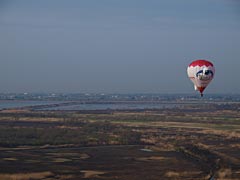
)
(181, 143)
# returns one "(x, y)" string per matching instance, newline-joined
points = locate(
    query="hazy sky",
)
(117, 46)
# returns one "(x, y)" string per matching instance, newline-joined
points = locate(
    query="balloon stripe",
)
(200, 63)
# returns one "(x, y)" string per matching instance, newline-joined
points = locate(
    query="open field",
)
(180, 143)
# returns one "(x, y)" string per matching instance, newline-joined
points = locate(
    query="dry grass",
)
(84, 156)
(227, 134)
(40, 119)
(163, 146)
(179, 175)
(91, 173)
(228, 158)
(235, 146)
(27, 176)
(224, 174)
(166, 124)
(172, 174)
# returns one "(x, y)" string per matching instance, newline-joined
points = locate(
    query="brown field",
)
(186, 143)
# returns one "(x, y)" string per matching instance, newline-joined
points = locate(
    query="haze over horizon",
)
(107, 46)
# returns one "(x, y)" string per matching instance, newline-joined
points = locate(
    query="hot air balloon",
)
(201, 72)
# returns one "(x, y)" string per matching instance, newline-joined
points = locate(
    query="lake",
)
(5, 104)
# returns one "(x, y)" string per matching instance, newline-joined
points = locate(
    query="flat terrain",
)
(191, 142)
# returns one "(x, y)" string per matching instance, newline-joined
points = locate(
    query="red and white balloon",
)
(201, 73)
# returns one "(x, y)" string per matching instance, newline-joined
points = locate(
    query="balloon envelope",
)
(201, 72)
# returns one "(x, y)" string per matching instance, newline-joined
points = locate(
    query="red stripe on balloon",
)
(200, 63)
